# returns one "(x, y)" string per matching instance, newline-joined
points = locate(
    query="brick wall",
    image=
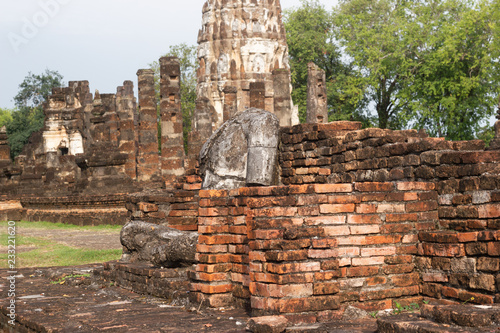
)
(176, 208)
(340, 152)
(306, 250)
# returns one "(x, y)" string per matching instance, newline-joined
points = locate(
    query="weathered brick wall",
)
(78, 210)
(176, 208)
(462, 260)
(340, 152)
(306, 250)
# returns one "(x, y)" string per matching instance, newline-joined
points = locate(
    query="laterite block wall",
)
(306, 250)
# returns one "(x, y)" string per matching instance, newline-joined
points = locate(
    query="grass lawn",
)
(40, 252)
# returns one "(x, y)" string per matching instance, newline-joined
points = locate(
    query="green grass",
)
(54, 226)
(46, 253)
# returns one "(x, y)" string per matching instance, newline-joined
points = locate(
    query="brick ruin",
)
(364, 217)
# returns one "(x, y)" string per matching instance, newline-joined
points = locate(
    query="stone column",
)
(317, 108)
(4, 148)
(258, 95)
(282, 92)
(148, 165)
(172, 142)
(230, 102)
(125, 107)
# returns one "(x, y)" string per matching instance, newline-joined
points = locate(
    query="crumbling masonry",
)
(364, 217)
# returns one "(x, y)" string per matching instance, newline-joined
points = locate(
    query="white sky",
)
(104, 42)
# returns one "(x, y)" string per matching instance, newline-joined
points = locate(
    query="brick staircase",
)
(444, 318)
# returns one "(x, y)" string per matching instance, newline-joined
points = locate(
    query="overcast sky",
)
(104, 42)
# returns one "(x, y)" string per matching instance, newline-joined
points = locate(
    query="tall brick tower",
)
(243, 42)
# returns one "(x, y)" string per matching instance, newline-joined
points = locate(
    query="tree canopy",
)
(310, 38)
(29, 117)
(431, 64)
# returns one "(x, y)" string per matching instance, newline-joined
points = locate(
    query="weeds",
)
(407, 308)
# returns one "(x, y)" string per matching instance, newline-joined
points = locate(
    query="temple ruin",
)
(352, 217)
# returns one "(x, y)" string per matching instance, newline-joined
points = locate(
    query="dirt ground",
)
(96, 240)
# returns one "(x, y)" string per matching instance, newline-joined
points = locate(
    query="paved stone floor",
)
(76, 305)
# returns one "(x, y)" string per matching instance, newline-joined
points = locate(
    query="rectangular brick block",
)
(374, 187)
(336, 208)
(412, 186)
(365, 229)
(333, 188)
(378, 251)
(367, 261)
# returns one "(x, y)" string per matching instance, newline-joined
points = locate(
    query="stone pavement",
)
(47, 303)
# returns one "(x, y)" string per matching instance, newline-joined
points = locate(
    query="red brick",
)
(362, 271)
(323, 253)
(374, 187)
(147, 207)
(337, 230)
(215, 277)
(212, 258)
(332, 188)
(364, 219)
(388, 293)
(421, 206)
(286, 255)
(375, 281)
(315, 303)
(434, 277)
(324, 243)
(489, 211)
(443, 250)
(386, 239)
(328, 288)
(308, 211)
(336, 208)
(276, 211)
(344, 199)
(404, 280)
(378, 251)
(293, 267)
(494, 248)
(395, 228)
(412, 186)
(271, 202)
(375, 305)
(365, 229)
(400, 217)
(212, 289)
(399, 269)
(391, 208)
(217, 268)
(449, 292)
(311, 200)
(366, 208)
(268, 234)
(213, 211)
(326, 220)
(212, 193)
(367, 261)
(211, 248)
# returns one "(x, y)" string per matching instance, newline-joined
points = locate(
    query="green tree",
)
(187, 55)
(310, 39)
(424, 63)
(29, 117)
(5, 116)
(455, 84)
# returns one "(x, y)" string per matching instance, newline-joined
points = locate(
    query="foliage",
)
(426, 64)
(5, 116)
(310, 39)
(29, 117)
(187, 55)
